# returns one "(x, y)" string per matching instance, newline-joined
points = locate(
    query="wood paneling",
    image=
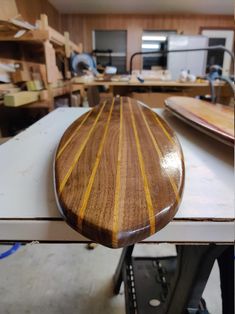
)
(8, 9)
(30, 11)
(80, 27)
(119, 173)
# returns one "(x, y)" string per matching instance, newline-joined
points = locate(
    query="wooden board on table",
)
(119, 173)
(213, 119)
(20, 98)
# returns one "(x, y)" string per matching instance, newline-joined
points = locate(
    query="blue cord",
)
(12, 250)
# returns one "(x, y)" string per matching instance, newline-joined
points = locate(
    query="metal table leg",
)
(125, 257)
(226, 266)
(194, 266)
(186, 284)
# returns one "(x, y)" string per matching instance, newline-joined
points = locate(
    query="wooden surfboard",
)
(119, 173)
(213, 119)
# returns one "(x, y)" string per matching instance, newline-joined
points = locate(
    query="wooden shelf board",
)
(60, 91)
(8, 31)
(33, 36)
(77, 87)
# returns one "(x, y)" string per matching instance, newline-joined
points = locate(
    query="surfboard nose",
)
(119, 173)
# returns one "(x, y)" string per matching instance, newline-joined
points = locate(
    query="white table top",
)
(27, 205)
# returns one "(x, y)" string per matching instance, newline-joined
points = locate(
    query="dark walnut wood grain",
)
(213, 119)
(119, 173)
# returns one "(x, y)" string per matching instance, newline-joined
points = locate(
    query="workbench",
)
(150, 83)
(159, 90)
(28, 210)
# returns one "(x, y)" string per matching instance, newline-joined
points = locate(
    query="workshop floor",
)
(68, 278)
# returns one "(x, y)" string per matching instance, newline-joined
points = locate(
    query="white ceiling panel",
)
(145, 6)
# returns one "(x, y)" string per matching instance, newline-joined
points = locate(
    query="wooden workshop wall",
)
(30, 11)
(8, 9)
(80, 26)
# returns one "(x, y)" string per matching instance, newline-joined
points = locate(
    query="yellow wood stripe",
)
(163, 128)
(118, 181)
(72, 136)
(143, 173)
(78, 154)
(174, 187)
(92, 177)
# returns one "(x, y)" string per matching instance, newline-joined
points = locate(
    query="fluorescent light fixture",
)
(150, 46)
(152, 38)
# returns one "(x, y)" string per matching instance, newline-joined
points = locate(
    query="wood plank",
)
(119, 173)
(20, 99)
(44, 22)
(60, 40)
(56, 37)
(213, 119)
(66, 43)
(4, 25)
(33, 35)
(20, 76)
(51, 68)
(6, 86)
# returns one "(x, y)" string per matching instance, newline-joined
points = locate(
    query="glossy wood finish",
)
(119, 173)
(213, 119)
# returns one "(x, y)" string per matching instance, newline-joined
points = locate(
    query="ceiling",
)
(144, 6)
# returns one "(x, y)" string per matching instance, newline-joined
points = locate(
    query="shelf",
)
(65, 89)
(62, 90)
(39, 50)
(58, 39)
(12, 32)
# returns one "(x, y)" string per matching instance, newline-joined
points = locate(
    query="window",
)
(110, 48)
(153, 40)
